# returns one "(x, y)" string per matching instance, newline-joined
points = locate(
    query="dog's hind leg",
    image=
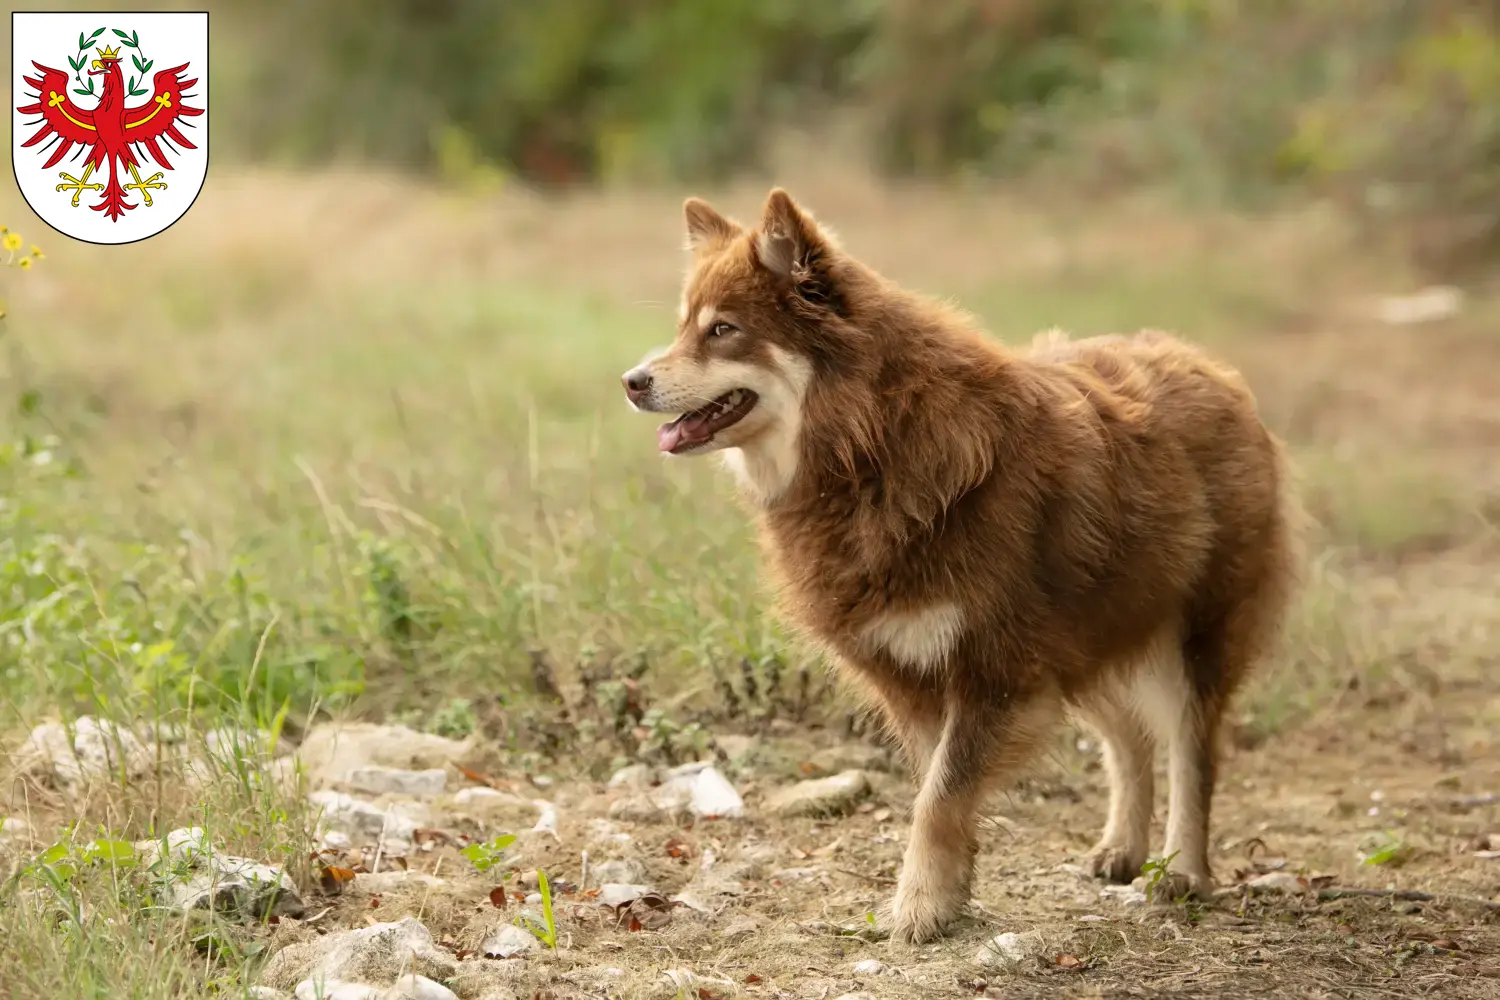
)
(985, 738)
(1126, 840)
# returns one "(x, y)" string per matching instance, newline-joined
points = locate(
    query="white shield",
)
(109, 123)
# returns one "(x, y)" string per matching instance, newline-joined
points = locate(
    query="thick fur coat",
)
(983, 539)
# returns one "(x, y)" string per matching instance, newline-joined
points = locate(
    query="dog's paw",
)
(1114, 863)
(922, 910)
(1175, 886)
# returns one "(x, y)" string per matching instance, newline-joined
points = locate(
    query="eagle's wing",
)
(158, 118)
(60, 116)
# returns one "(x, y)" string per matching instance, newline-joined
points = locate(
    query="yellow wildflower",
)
(36, 252)
(13, 241)
(24, 263)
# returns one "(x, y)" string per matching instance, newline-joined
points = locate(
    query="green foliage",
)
(486, 854)
(1388, 104)
(546, 930)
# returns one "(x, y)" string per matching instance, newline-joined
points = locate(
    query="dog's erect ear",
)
(791, 246)
(789, 242)
(706, 228)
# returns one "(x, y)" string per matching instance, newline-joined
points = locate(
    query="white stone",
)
(618, 894)
(88, 750)
(819, 796)
(633, 776)
(1008, 949)
(377, 953)
(425, 784)
(413, 987)
(868, 967)
(334, 989)
(637, 809)
(331, 751)
(508, 942)
(240, 887)
(714, 797)
(361, 819)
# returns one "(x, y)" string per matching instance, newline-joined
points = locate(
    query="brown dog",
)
(984, 539)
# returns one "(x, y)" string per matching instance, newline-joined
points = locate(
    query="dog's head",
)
(755, 315)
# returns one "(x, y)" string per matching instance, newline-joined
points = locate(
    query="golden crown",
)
(108, 53)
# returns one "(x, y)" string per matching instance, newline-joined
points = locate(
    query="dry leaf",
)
(752, 979)
(497, 897)
(1068, 961)
(332, 878)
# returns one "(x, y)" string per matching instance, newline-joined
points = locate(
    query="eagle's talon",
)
(78, 185)
(146, 186)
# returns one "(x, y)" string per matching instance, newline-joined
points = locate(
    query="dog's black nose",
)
(636, 382)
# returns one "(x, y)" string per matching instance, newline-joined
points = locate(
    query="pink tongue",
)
(681, 432)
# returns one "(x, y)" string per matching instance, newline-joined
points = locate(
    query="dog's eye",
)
(721, 330)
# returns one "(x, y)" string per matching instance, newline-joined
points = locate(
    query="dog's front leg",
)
(986, 738)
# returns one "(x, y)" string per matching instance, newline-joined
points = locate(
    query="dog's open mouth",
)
(697, 428)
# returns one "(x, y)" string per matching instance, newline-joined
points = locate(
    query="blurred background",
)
(349, 434)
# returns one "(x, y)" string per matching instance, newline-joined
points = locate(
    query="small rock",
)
(714, 797)
(533, 899)
(238, 887)
(335, 989)
(623, 870)
(508, 942)
(1125, 895)
(850, 757)
(819, 796)
(1007, 949)
(547, 820)
(413, 987)
(377, 953)
(1276, 882)
(740, 928)
(868, 967)
(637, 809)
(364, 819)
(635, 776)
(479, 795)
(86, 750)
(1427, 306)
(183, 844)
(14, 830)
(617, 894)
(331, 751)
(392, 781)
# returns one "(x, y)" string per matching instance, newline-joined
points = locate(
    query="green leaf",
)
(135, 38)
(131, 86)
(76, 64)
(121, 33)
(30, 402)
(85, 93)
(137, 61)
(82, 42)
(96, 34)
(149, 64)
(113, 851)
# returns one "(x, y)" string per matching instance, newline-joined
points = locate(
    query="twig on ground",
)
(877, 879)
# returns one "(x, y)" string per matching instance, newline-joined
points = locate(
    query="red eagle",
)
(111, 129)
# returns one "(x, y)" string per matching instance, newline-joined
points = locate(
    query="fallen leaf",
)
(1446, 944)
(808, 768)
(374, 902)
(678, 848)
(497, 897)
(332, 879)
(1345, 929)
(477, 777)
(752, 979)
(1068, 961)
